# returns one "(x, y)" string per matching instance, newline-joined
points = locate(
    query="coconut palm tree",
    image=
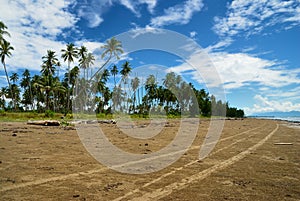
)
(82, 53)
(5, 51)
(126, 69)
(49, 63)
(112, 48)
(89, 62)
(15, 91)
(114, 71)
(14, 77)
(135, 85)
(3, 31)
(68, 55)
(48, 87)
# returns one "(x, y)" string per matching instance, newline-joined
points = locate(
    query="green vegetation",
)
(50, 95)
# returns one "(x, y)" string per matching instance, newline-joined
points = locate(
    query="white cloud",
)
(150, 3)
(193, 34)
(179, 14)
(130, 5)
(253, 16)
(133, 5)
(221, 44)
(238, 69)
(265, 104)
(93, 10)
(34, 27)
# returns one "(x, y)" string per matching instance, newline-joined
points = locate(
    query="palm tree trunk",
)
(68, 90)
(92, 76)
(9, 85)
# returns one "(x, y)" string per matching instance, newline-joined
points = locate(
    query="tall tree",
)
(126, 69)
(5, 51)
(112, 48)
(47, 88)
(3, 31)
(49, 63)
(89, 62)
(69, 54)
(15, 91)
(114, 71)
(135, 85)
(82, 53)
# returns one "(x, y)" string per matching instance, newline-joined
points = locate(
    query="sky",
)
(254, 45)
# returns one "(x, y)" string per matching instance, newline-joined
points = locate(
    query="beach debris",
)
(44, 122)
(283, 143)
(110, 121)
(104, 121)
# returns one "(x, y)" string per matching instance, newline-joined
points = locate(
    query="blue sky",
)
(254, 45)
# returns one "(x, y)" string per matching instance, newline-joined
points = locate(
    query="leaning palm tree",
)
(112, 48)
(68, 55)
(5, 50)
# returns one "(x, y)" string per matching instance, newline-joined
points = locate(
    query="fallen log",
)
(44, 122)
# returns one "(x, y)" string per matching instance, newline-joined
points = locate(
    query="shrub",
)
(49, 113)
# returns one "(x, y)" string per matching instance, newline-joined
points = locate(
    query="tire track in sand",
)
(190, 163)
(89, 172)
(167, 190)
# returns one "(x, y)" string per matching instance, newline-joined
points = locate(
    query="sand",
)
(51, 163)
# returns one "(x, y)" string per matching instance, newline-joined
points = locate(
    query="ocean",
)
(289, 119)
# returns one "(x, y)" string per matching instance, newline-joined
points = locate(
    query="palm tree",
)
(3, 93)
(125, 72)
(15, 91)
(112, 48)
(68, 55)
(73, 77)
(135, 84)
(58, 65)
(49, 62)
(117, 97)
(89, 62)
(3, 31)
(48, 88)
(14, 77)
(5, 50)
(151, 88)
(114, 71)
(82, 53)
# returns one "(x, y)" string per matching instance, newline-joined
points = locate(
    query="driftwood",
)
(283, 143)
(44, 122)
(109, 121)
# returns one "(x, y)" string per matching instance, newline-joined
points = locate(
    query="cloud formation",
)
(253, 16)
(34, 27)
(92, 10)
(265, 104)
(178, 14)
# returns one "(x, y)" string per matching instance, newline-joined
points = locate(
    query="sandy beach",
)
(254, 159)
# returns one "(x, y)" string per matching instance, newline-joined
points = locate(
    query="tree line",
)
(81, 90)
